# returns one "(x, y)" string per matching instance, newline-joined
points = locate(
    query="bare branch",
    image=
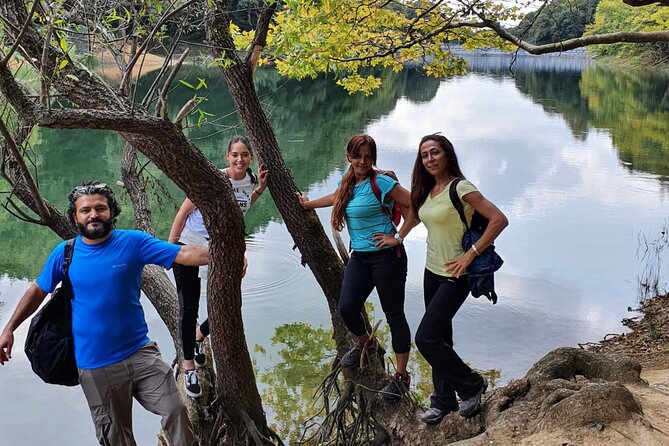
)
(171, 76)
(260, 37)
(579, 42)
(25, 173)
(17, 41)
(145, 44)
(646, 2)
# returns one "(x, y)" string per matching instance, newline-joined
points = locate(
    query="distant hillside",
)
(559, 20)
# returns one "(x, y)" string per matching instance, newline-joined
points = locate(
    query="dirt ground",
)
(648, 343)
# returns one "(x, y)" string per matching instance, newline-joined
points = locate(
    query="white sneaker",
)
(192, 383)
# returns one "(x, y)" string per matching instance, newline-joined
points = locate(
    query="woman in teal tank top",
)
(378, 259)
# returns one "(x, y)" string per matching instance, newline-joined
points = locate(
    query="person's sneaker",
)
(192, 383)
(471, 406)
(434, 415)
(200, 357)
(398, 386)
(352, 357)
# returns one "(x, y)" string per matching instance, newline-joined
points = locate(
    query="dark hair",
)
(92, 188)
(422, 181)
(244, 140)
(345, 190)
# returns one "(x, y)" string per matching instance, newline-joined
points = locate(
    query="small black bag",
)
(49, 344)
(480, 271)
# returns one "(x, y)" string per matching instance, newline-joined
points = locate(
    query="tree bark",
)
(304, 226)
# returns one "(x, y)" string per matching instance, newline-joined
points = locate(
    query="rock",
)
(602, 403)
(567, 363)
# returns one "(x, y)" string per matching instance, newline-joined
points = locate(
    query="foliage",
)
(558, 20)
(348, 38)
(614, 16)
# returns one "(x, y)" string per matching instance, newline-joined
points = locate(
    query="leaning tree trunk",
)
(304, 226)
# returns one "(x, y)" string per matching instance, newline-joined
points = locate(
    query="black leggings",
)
(188, 289)
(386, 270)
(434, 338)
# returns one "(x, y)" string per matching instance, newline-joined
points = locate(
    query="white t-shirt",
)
(243, 191)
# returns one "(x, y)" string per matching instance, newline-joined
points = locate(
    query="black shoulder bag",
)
(480, 271)
(49, 344)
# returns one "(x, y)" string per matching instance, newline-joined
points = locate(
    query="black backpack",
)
(49, 344)
(480, 271)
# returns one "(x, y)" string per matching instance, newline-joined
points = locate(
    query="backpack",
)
(480, 271)
(49, 344)
(395, 214)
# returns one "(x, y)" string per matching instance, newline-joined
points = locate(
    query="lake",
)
(575, 155)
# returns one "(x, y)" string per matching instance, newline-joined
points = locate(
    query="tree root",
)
(224, 430)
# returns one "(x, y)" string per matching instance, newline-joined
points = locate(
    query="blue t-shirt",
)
(107, 318)
(364, 214)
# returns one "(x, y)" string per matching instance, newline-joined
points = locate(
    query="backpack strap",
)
(457, 204)
(69, 252)
(377, 194)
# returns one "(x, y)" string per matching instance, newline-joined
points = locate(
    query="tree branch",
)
(17, 41)
(579, 42)
(142, 48)
(100, 120)
(25, 173)
(646, 2)
(260, 37)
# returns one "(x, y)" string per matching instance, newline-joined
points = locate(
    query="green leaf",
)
(186, 84)
(201, 84)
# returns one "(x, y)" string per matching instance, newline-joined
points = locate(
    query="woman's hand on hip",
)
(458, 266)
(381, 240)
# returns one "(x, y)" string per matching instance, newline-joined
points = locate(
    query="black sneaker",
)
(352, 357)
(192, 383)
(471, 406)
(434, 415)
(200, 357)
(398, 386)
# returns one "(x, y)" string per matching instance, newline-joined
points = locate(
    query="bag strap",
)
(377, 194)
(457, 203)
(69, 252)
(375, 188)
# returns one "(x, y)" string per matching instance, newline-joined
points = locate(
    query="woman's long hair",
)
(244, 140)
(422, 181)
(345, 190)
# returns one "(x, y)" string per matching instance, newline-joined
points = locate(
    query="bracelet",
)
(476, 251)
(256, 191)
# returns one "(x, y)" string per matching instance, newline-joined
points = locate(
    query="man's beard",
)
(98, 232)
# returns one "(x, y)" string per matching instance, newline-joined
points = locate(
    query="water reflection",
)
(576, 160)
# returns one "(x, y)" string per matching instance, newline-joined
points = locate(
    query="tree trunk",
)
(304, 226)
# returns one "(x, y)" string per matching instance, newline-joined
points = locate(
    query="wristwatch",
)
(398, 237)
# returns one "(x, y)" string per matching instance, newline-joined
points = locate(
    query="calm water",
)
(576, 157)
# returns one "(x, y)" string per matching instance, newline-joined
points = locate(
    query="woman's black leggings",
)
(434, 338)
(188, 289)
(386, 270)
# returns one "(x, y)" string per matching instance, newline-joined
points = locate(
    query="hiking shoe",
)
(398, 386)
(352, 357)
(471, 406)
(200, 357)
(434, 415)
(192, 383)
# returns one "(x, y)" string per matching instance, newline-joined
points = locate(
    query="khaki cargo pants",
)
(147, 378)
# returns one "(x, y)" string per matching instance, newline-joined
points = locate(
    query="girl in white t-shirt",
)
(188, 229)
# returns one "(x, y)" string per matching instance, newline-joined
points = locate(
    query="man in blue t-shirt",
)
(115, 358)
